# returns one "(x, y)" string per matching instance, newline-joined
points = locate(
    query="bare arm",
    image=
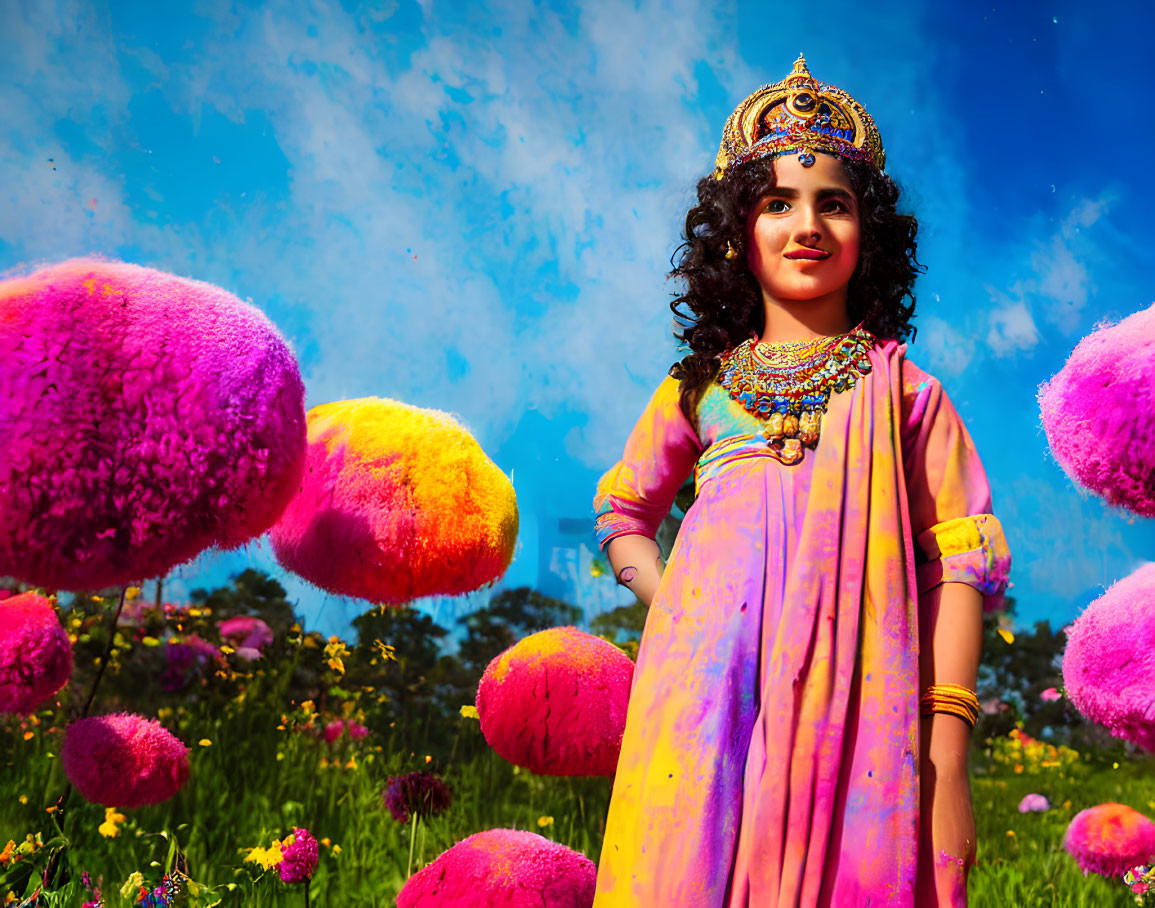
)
(637, 564)
(950, 655)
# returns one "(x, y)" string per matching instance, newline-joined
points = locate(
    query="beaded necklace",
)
(788, 385)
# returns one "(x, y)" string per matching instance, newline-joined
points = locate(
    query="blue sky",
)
(472, 206)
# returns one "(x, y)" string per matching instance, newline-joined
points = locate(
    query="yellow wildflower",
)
(266, 858)
(132, 885)
(544, 821)
(469, 712)
(334, 652)
(108, 828)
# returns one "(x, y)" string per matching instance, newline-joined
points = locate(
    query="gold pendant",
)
(786, 450)
(787, 434)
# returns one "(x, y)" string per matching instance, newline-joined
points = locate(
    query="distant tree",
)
(254, 593)
(510, 616)
(409, 676)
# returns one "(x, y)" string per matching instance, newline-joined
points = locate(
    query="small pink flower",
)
(1139, 887)
(1034, 802)
(333, 731)
(1050, 694)
(356, 732)
(245, 631)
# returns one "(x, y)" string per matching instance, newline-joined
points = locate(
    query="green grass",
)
(240, 795)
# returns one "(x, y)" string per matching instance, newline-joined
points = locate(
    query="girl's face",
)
(803, 235)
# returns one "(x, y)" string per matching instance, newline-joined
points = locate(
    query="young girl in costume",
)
(804, 690)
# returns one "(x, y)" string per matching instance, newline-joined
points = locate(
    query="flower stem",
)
(62, 801)
(412, 830)
(107, 655)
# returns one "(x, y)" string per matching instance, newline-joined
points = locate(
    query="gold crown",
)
(799, 114)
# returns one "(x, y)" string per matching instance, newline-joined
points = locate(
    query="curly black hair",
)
(724, 298)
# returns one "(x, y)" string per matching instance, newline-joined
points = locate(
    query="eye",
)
(771, 206)
(837, 206)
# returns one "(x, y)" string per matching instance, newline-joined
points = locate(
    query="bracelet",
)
(953, 699)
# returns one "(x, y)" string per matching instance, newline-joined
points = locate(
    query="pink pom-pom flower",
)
(299, 858)
(35, 654)
(397, 502)
(1109, 661)
(124, 760)
(1099, 413)
(1110, 839)
(506, 867)
(1034, 803)
(1050, 695)
(555, 703)
(145, 417)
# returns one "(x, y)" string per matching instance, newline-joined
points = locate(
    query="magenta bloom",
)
(145, 417)
(35, 655)
(1099, 412)
(333, 730)
(1110, 839)
(300, 858)
(246, 632)
(1050, 694)
(124, 760)
(355, 731)
(555, 703)
(184, 659)
(1109, 662)
(504, 867)
(1034, 802)
(419, 793)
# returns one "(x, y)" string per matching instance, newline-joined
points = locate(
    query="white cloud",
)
(1011, 327)
(948, 350)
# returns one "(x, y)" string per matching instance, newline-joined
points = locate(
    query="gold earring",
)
(731, 252)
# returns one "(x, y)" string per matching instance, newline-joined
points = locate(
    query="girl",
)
(828, 583)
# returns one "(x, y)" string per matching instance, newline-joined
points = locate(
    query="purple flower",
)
(1035, 802)
(300, 858)
(418, 792)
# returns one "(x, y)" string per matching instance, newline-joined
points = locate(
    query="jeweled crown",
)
(799, 114)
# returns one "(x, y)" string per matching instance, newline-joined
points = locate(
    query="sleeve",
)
(957, 537)
(635, 494)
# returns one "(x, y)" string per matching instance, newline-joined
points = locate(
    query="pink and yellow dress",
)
(770, 752)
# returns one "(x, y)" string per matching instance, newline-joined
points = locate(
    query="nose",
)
(807, 229)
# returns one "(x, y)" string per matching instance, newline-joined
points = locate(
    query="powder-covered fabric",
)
(770, 752)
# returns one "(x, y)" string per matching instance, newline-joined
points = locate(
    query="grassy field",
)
(254, 783)
(258, 769)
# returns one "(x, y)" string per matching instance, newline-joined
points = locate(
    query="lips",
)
(814, 255)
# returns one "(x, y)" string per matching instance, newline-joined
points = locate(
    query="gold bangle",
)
(953, 699)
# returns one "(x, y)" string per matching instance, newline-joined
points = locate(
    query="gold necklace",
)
(787, 385)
